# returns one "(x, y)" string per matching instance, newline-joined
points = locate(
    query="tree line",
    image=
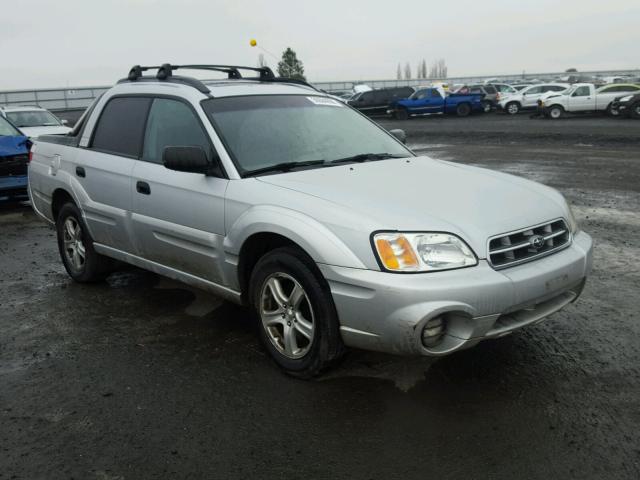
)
(438, 70)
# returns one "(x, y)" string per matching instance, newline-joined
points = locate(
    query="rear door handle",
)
(143, 188)
(80, 172)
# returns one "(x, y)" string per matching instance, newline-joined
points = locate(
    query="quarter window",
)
(121, 126)
(172, 123)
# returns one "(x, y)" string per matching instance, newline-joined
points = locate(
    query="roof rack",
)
(165, 73)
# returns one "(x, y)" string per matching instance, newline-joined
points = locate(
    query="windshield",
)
(32, 118)
(7, 130)
(261, 131)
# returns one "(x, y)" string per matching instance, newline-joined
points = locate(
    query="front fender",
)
(320, 243)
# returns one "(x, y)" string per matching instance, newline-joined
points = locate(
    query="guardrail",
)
(61, 99)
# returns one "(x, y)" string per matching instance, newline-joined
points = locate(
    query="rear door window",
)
(120, 128)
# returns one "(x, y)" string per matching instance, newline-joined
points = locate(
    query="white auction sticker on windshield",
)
(324, 101)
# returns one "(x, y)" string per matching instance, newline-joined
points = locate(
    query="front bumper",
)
(387, 311)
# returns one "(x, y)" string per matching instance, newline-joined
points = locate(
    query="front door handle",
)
(143, 188)
(80, 172)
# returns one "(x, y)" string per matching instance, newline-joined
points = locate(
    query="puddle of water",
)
(404, 372)
(203, 304)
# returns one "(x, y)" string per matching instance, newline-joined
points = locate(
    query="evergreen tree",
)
(290, 66)
(399, 73)
(407, 71)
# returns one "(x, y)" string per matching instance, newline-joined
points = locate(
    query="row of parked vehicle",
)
(552, 99)
(18, 126)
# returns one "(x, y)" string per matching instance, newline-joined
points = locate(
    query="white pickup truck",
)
(583, 98)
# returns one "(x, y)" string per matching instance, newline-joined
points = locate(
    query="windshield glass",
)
(260, 131)
(6, 129)
(32, 118)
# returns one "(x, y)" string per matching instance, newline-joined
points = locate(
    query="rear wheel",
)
(486, 106)
(463, 110)
(81, 261)
(556, 112)
(298, 321)
(512, 108)
(402, 114)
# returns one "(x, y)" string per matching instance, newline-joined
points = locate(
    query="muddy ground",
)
(140, 377)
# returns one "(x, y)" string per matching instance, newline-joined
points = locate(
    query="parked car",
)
(267, 192)
(35, 121)
(14, 159)
(527, 98)
(521, 86)
(504, 89)
(489, 95)
(377, 102)
(584, 98)
(627, 106)
(434, 100)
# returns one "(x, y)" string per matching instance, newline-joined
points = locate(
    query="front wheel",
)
(513, 108)
(486, 106)
(298, 322)
(635, 111)
(463, 110)
(81, 261)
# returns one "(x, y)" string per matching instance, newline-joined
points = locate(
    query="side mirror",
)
(399, 134)
(64, 121)
(186, 159)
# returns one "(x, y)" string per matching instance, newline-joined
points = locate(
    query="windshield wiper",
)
(366, 157)
(283, 167)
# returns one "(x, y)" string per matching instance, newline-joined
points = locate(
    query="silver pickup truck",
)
(271, 194)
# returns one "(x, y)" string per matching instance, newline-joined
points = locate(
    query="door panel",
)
(106, 202)
(179, 223)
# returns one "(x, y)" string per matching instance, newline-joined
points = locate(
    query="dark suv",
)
(377, 102)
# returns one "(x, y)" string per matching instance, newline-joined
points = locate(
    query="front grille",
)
(527, 244)
(14, 165)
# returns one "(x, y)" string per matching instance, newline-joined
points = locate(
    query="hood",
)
(421, 194)
(34, 132)
(10, 146)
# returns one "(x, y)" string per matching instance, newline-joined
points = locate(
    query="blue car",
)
(14, 160)
(434, 100)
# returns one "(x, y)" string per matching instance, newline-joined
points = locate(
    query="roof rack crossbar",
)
(165, 73)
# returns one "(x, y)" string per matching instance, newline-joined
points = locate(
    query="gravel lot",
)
(141, 377)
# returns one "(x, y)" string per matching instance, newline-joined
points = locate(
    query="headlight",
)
(625, 99)
(422, 252)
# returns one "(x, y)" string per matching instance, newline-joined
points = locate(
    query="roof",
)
(22, 108)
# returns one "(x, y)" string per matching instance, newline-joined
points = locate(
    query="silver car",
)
(273, 195)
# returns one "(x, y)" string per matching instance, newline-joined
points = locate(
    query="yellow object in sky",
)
(253, 42)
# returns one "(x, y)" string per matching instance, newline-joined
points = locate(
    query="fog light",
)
(433, 332)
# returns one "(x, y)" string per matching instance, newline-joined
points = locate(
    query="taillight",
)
(30, 155)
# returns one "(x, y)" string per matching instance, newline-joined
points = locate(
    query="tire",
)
(486, 106)
(302, 336)
(612, 112)
(634, 112)
(463, 110)
(73, 240)
(402, 114)
(512, 108)
(555, 112)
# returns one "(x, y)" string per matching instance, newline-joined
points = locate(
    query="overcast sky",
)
(45, 43)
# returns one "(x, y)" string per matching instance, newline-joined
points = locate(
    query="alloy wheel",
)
(287, 316)
(74, 248)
